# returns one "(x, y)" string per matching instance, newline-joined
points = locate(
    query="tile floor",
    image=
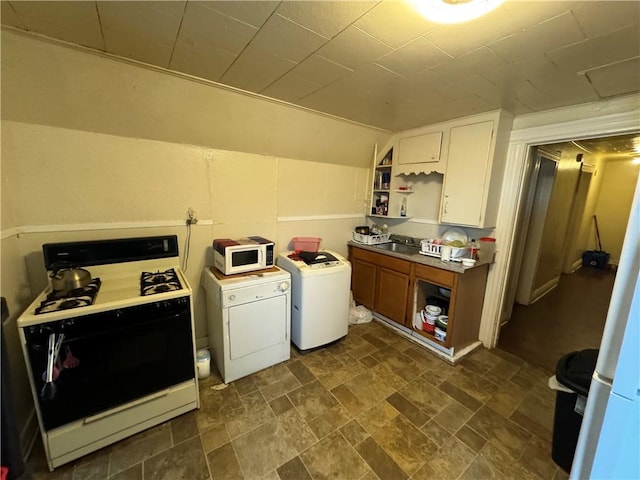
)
(374, 406)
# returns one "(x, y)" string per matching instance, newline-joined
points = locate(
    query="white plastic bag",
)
(359, 314)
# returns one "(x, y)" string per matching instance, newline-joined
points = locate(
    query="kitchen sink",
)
(398, 248)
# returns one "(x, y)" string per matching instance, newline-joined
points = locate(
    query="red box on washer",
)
(306, 244)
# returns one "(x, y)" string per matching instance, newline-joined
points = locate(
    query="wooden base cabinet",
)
(381, 283)
(464, 305)
(399, 289)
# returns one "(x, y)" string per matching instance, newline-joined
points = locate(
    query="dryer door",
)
(257, 325)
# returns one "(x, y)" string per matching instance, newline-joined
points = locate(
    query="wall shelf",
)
(386, 196)
(397, 217)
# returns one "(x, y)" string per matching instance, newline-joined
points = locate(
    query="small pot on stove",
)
(66, 278)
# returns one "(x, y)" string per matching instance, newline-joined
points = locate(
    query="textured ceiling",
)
(620, 147)
(373, 62)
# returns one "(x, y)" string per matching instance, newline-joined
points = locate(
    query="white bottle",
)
(403, 208)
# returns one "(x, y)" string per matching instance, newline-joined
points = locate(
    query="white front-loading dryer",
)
(249, 320)
(320, 285)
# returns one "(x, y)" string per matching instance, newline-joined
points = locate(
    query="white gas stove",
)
(116, 356)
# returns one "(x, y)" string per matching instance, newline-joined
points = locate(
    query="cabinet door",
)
(363, 282)
(420, 149)
(464, 192)
(392, 289)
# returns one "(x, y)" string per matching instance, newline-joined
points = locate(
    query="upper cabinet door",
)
(420, 149)
(466, 182)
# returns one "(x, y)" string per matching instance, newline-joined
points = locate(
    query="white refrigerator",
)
(609, 444)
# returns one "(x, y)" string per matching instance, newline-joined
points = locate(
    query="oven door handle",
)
(135, 403)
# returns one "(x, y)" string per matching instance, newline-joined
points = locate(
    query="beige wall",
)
(67, 185)
(585, 240)
(49, 84)
(98, 148)
(614, 204)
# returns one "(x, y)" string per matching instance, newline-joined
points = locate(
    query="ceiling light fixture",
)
(454, 11)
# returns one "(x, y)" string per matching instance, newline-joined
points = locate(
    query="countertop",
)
(418, 258)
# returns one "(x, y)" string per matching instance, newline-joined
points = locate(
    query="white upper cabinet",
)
(475, 167)
(449, 172)
(464, 185)
(420, 154)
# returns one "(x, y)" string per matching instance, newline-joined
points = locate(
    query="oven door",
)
(111, 358)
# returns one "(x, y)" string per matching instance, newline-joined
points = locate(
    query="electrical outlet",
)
(192, 217)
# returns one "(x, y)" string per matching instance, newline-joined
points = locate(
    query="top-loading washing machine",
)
(320, 284)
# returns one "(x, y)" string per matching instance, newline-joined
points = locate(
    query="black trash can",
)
(574, 371)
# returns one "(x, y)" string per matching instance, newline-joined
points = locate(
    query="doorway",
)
(533, 228)
(553, 305)
(598, 119)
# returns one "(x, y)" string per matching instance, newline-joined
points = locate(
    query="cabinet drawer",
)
(381, 260)
(435, 275)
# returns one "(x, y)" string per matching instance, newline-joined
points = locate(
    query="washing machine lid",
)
(319, 259)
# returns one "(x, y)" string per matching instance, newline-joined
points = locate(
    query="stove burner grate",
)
(159, 282)
(79, 297)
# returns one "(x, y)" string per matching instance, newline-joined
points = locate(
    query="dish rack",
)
(429, 248)
(433, 249)
(371, 239)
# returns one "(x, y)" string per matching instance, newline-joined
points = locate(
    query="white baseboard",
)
(446, 354)
(541, 291)
(574, 267)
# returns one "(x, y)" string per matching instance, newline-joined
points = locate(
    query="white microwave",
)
(243, 255)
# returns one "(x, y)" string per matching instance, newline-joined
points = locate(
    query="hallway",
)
(570, 317)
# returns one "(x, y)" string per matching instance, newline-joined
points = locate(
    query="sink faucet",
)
(403, 239)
